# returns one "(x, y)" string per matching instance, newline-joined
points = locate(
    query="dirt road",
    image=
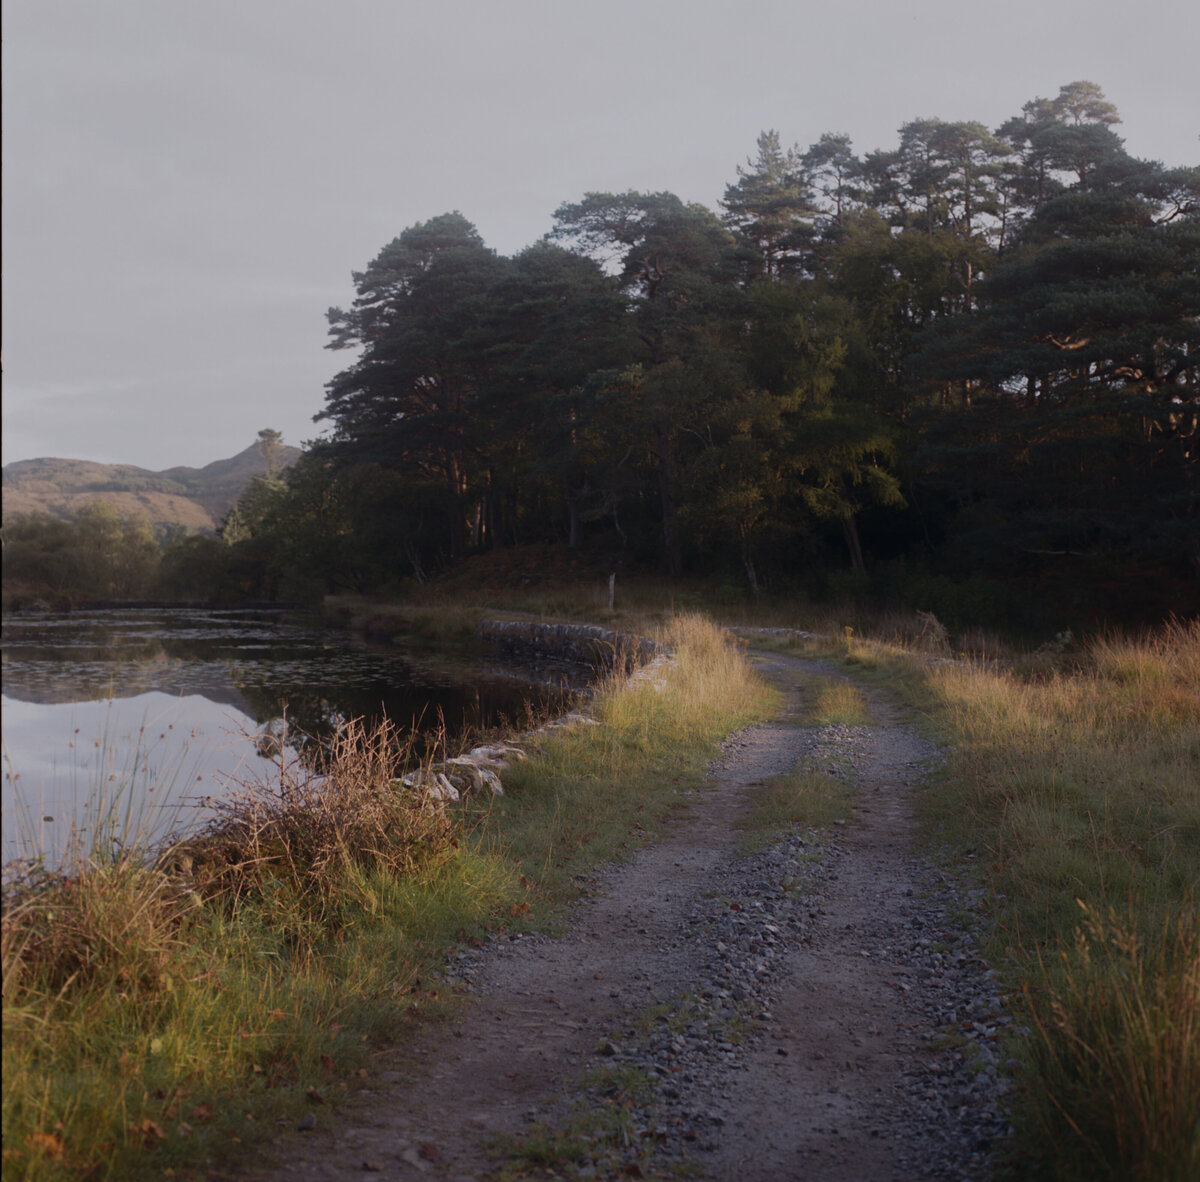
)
(815, 1010)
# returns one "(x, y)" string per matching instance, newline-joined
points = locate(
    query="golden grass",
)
(1078, 780)
(1117, 1052)
(1080, 766)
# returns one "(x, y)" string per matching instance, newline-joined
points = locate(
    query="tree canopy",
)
(973, 355)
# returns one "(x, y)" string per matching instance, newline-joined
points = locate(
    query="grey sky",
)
(187, 186)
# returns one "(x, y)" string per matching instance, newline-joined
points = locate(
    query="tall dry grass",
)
(319, 827)
(1117, 1048)
(706, 683)
(1076, 777)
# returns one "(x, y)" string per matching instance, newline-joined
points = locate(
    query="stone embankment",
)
(478, 770)
(602, 648)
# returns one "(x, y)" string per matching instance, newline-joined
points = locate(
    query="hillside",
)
(197, 498)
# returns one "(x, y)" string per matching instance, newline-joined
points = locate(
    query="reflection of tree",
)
(422, 709)
(260, 667)
(307, 712)
(121, 654)
(102, 680)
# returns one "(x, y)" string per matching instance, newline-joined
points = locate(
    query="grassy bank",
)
(1077, 788)
(1072, 794)
(159, 1018)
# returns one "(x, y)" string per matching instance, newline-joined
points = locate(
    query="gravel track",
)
(815, 1010)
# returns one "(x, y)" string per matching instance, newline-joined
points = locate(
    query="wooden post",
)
(612, 589)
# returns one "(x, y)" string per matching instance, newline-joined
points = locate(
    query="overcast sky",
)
(188, 185)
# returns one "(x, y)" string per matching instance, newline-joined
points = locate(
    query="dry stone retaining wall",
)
(589, 643)
(478, 770)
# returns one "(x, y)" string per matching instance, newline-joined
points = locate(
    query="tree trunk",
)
(666, 493)
(458, 525)
(751, 574)
(495, 520)
(850, 530)
(574, 521)
(477, 526)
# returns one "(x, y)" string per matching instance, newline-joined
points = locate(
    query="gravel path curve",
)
(816, 1010)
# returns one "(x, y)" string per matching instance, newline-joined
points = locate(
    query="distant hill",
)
(197, 498)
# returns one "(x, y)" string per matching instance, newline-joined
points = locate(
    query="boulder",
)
(431, 783)
(471, 777)
(496, 756)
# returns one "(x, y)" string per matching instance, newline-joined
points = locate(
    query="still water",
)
(139, 714)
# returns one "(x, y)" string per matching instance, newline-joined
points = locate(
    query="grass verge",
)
(1072, 789)
(159, 1011)
(1079, 784)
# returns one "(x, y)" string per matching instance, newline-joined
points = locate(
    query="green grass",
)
(836, 702)
(597, 1138)
(801, 799)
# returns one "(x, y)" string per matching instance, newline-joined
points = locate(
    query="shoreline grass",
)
(157, 1014)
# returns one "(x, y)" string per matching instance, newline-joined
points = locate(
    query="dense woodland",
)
(961, 373)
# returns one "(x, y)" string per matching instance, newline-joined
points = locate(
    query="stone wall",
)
(478, 770)
(588, 643)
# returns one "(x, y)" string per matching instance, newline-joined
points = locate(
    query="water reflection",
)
(135, 767)
(172, 698)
